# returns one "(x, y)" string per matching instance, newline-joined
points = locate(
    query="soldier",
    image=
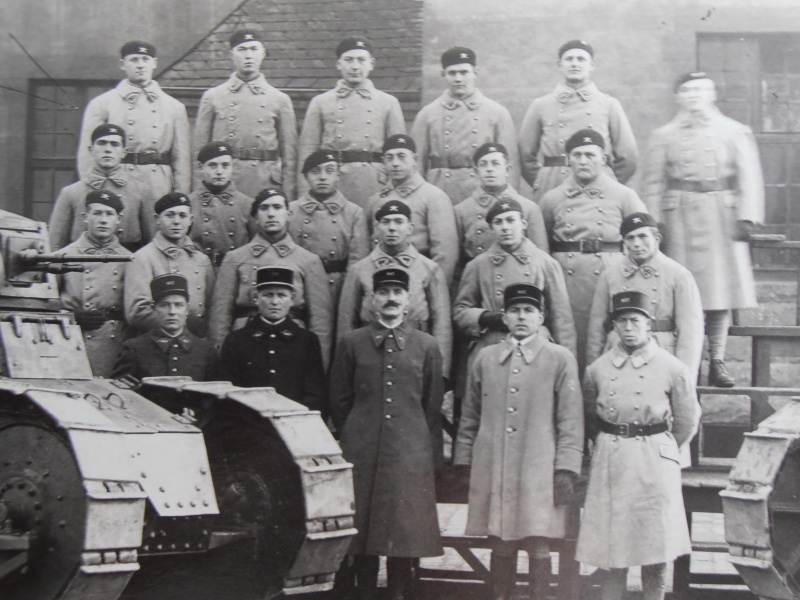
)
(326, 223)
(159, 154)
(449, 129)
(575, 104)
(271, 350)
(95, 294)
(583, 216)
(432, 213)
(522, 433)
(169, 348)
(253, 117)
(353, 120)
(221, 213)
(386, 396)
(677, 312)
(641, 409)
(272, 247)
(136, 226)
(171, 251)
(703, 183)
(429, 299)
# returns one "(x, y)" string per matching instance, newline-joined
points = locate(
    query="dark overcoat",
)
(155, 354)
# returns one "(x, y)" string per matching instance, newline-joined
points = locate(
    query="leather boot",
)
(398, 577)
(718, 375)
(502, 577)
(366, 569)
(539, 571)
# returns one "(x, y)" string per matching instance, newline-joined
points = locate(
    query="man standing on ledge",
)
(159, 156)
(575, 104)
(256, 119)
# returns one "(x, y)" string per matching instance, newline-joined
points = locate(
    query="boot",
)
(502, 577)
(718, 375)
(366, 570)
(539, 571)
(398, 577)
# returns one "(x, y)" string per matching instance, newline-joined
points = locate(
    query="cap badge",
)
(393, 208)
(142, 49)
(636, 220)
(505, 205)
(105, 196)
(360, 43)
(248, 36)
(492, 149)
(463, 55)
(113, 130)
(330, 157)
(401, 140)
(624, 300)
(587, 140)
(222, 148)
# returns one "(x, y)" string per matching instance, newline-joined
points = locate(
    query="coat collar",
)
(164, 341)
(225, 196)
(365, 90)
(486, 199)
(258, 245)
(131, 92)
(647, 269)
(172, 250)
(523, 254)
(96, 179)
(380, 333)
(407, 188)
(564, 93)
(333, 204)
(509, 346)
(637, 358)
(85, 245)
(383, 260)
(257, 328)
(257, 86)
(472, 102)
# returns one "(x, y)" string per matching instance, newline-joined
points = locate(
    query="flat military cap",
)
(522, 292)
(355, 42)
(635, 221)
(274, 276)
(108, 129)
(213, 150)
(106, 197)
(584, 137)
(399, 140)
(502, 206)
(393, 207)
(693, 76)
(171, 200)
(458, 55)
(488, 148)
(627, 301)
(576, 44)
(244, 35)
(168, 285)
(317, 158)
(266, 194)
(138, 47)
(390, 276)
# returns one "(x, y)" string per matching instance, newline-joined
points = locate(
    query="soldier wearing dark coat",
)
(386, 396)
(271, 350)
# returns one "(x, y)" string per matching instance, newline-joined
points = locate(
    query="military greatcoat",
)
(353, 122)
(634, 513)
(552, 119)
(221, 221)
(675, 307)
(154, 123)
(386, 397)
(233, 301)
(429, 299)
(161, 257)
(156, 354)
(99, 287)
(718, 154)
(433, 218)
(522, 420)
(449, 130)
(258, 121)
(574, 212)
(136, 226)
(334, 230)
(280, 355)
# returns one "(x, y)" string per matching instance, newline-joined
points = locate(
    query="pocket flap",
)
(669, 451)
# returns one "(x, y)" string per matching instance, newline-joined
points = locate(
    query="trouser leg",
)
(654, 581)
(398, 575)
(366, 570)
(502, 570)
(539, 567)
(717, 324)
(615, 584)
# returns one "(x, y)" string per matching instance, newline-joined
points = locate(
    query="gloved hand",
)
(742, 230)
(564, 487)
(492, 319)
(89, 320)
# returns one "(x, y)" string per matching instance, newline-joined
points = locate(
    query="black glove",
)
(90, 320)
(742, 230)
(492, 319)
(564, 487)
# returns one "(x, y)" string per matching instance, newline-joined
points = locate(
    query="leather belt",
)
(628, 430)
(585, 246)
(453, 162)
(334, 266)
(663, 325)
(113, 314)
(354, 156)
(147, 158)
(555, 161)
(256, 154)
(704, 185)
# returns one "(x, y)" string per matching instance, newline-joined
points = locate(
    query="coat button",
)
(511, 409)
(388, 383)
(388, 416)
(514, 390)
(509, 430)
(388, 399)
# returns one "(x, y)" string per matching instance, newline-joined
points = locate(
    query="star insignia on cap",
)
(143, 50)
(636, 220)
(105, 196)
(360, 43)
(113, 130)
(393, 208)
(505, 205)
(222, 148)
(401, 140)
(492, 149)
(587, 140)
(463, 55)
(624, 300)
(330, 157)
(248, 36)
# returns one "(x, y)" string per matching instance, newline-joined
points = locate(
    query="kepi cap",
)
(168, 285)
(106, 197)
(522, 292)
(584, 137)
(171, 200)
(458, 55)
(636, 220)
(390, 276)
(274, 276)
(627, 301)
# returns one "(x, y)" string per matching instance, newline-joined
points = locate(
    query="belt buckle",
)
(589, 246)
(624, 430)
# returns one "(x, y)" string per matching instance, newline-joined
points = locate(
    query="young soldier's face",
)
(355, 66)
(587, 162)
(101, 221)
(633, 329)
(509, 227)
(576, 65)
(139, 68)
(108, 151)
(174, 222)
(274, 302)
(400, 163)
(171, 313)
(460, 79)
(247, 58)
(642, 243)
(493, 169)
(697, 94)
(394, 230)
(218, 171)
(522, 319)
(322, 178)
(273, 215)
(390, 301)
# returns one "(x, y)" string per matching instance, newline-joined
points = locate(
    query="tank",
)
(165, 489)
(761, 504)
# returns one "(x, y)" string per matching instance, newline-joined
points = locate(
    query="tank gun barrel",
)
(32, 260)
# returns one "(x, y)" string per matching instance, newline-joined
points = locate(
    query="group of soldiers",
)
(334, 285)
